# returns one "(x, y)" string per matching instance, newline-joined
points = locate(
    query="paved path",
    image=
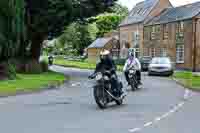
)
(158, 107)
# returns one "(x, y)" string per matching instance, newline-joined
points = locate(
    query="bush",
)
(44, 66)
(33, 67)
(120, 61)
(8, 70)
(11, 71)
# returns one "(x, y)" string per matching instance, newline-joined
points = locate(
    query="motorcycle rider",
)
(107, 63)
(132, 61)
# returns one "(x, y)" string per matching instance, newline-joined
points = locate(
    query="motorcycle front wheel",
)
(119, 102)
(100, 97)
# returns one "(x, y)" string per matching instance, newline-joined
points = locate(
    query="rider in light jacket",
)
(132, 61)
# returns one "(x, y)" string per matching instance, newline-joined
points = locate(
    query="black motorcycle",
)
(103, 91)
(133, 79)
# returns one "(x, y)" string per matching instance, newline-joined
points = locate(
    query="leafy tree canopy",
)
(50, 16)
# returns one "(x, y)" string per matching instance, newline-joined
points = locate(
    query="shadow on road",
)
(48, 104)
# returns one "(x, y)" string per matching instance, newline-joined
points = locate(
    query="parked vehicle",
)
(145, 60)
(133, 79)
(161, 66)
(103, 92)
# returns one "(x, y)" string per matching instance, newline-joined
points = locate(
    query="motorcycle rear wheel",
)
(134, 85)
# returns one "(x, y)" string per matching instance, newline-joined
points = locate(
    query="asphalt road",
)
(159, 107)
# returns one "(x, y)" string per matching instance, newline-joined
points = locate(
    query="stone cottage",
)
(175, 33)
(132, 27)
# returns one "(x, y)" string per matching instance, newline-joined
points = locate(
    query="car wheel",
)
(149, 74)
(171, 74)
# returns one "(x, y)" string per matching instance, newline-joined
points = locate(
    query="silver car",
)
(161, 66)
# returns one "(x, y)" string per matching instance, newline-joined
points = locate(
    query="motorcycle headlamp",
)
(131, 71)
(99, 76)
(106, 78)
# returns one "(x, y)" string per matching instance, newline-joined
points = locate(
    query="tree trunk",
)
(36, 46)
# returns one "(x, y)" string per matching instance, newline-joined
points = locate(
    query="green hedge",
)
(120, 61)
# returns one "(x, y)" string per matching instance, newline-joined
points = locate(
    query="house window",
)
(180, 32)
(180, 53)
(180, 27)
(152, 52)
(137, 52)
(146, 52)
(163, 52)
(155, 30)
(135, 38)
(165, 31)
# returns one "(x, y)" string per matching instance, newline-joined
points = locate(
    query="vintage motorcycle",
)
(103, 91)
(133, 79)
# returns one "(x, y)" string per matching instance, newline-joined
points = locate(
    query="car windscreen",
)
(146, 59)
(160, 61)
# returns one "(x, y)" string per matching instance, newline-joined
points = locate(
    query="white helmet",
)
(104, 52)
(131, 52)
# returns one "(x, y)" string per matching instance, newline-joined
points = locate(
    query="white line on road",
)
(148, 124)
(76, 84)
(186, 95)
(135, 130)
(165, 115)
(158, 119)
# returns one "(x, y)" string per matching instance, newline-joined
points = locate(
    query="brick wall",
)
(128, 32)
(198, 45)
(170, 43)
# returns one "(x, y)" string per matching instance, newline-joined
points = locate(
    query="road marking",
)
(76, 84)
(135, 130)
(186, 95)
(158, 119)
(181, 104)
(165, 115)
(148, 124)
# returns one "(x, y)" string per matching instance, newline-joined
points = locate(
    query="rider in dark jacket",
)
(107, 63)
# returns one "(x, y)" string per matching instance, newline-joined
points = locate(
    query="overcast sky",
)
(131, 3)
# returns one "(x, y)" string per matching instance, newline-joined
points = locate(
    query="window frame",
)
(135, 38)
(155, 29)
(180, 49)
(180, 30)
(152, 50)
(137, 50)
(163, 52)
(165, 31)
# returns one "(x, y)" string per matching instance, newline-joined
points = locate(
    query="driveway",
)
(159, 107)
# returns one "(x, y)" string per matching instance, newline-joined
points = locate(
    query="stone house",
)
(108, 43)
(175, 33)
(132, 27)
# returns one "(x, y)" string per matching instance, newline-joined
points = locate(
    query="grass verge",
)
(30, 83)
(188, 80)
(79, 64)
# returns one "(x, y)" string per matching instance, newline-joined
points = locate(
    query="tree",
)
(78, 36)
(119, 9)
(48, 17)
(81, 33)
(107, 22)
(12, 28)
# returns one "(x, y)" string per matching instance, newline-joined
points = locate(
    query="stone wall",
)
(170, 43)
